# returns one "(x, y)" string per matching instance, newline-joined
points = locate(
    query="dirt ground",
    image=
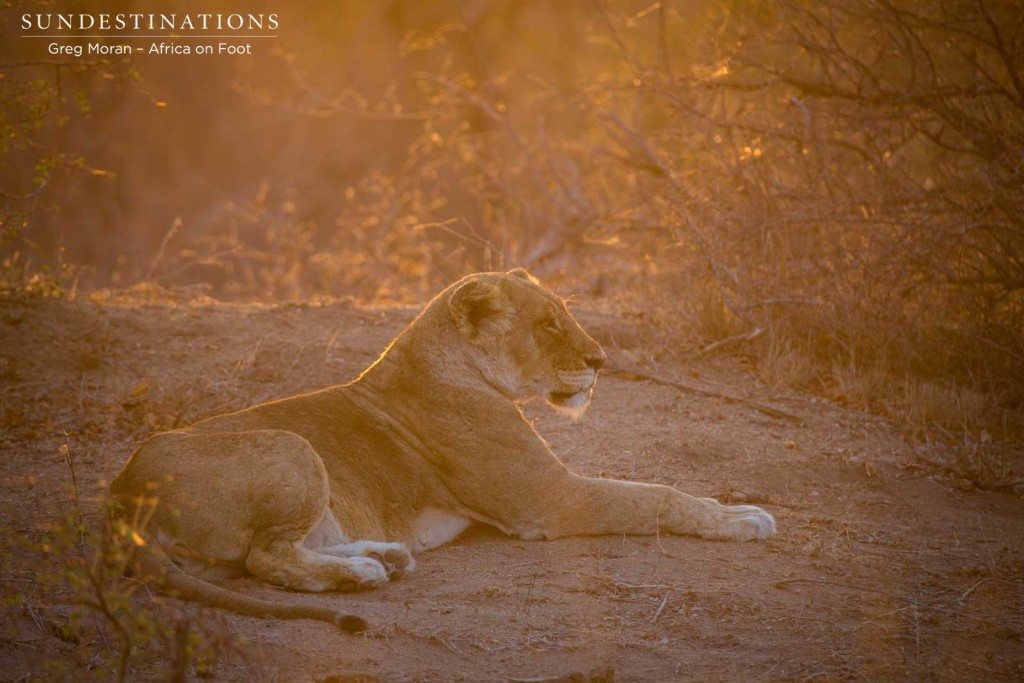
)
(884, 568)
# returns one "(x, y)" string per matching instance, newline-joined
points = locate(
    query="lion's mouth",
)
(569, 397)
(572, 403)
(560, 398)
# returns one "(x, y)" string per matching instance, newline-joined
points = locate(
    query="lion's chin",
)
(572, 404)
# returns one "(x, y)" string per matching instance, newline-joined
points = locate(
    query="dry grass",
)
(864, 388)
(955, 409)
(784, 361)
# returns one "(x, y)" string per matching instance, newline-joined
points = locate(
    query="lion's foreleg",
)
(606, 506)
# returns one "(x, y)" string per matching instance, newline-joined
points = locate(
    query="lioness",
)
(426, 441)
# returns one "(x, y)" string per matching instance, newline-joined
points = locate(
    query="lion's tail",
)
(153, 560)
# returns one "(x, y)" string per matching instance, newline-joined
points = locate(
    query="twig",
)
(657, 530)
(661, 607)
(473, 238)
(825, 582)
(98, 625)
(632, 372)
(623, 584)
(69, 459)
(970, 590)
(30, 606)
(27, 195)
(474, 99)
(447, 643)
(180, 651)
(102, 606)
(663, 53)
(175, 224)
(729, 341)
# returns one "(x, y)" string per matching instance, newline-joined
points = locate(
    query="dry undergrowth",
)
(971, 428)
(67, 581)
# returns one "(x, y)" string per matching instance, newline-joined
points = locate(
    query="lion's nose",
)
(595, 360)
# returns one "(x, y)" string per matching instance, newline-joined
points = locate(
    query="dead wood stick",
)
(728, 341)
(630, 372)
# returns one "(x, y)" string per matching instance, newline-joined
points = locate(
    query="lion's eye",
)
(550, 324)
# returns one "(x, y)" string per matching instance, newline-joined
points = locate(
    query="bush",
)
(842, 175)
(67, 584)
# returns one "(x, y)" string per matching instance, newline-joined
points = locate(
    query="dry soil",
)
(884, 568)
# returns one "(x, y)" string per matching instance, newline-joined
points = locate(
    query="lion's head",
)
(524, 339)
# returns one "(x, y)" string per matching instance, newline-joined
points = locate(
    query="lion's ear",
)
(522, 274)
(480, 309)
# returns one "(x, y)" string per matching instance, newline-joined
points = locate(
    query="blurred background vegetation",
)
(831, 190)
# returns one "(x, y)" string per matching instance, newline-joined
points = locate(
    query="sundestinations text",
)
(136, 21)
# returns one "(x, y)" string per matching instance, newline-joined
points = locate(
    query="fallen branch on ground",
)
(631, 372)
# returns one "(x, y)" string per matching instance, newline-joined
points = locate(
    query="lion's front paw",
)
(738, 522)
(753, 524)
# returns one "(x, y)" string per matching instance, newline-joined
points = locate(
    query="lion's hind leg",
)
(394, 557)
(292, 496)
(286, 563)
(243, 498)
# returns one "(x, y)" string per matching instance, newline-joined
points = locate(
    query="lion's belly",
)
(434, 527)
